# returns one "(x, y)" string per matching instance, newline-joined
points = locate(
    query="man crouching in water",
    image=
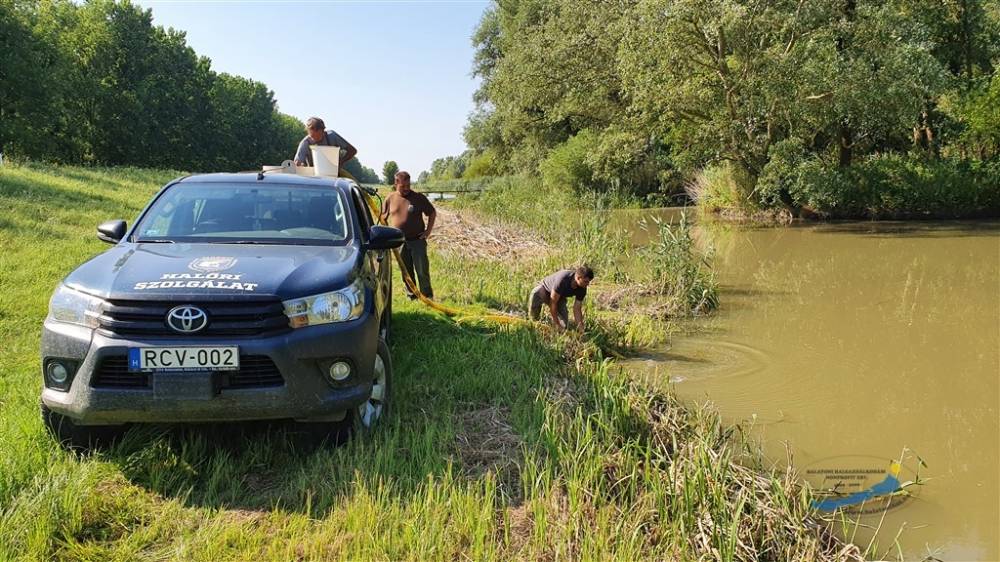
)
(553, 292)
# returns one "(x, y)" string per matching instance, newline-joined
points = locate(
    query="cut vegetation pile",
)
(504, 442)
(464, 235)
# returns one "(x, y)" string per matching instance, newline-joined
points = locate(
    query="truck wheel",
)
(77, 437)
(376, 408)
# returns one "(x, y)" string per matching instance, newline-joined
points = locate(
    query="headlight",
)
(338, 306)
(74, 307)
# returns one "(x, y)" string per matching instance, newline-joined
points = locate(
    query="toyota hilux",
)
(232, 297)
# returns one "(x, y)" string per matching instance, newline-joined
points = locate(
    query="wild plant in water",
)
(596, 244)
(678, 269)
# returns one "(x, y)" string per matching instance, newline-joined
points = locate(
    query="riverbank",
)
(504, 442)
(887, 187)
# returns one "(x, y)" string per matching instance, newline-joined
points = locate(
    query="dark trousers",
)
(540, 297)
(414, 254)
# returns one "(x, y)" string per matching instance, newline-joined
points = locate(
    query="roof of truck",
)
(272, 178)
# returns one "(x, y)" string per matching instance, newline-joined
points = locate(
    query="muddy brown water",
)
(851, 345)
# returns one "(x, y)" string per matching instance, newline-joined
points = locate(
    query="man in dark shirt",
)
(405, 210)
(553, 292)
(316, 134)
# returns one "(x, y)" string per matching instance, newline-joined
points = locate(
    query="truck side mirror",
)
(384, 238)
(111, 232)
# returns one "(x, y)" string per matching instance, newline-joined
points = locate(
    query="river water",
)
(853, 345)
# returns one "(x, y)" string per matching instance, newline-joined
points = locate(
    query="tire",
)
(77, 437)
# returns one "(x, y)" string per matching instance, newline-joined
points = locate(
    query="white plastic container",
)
(326, 160)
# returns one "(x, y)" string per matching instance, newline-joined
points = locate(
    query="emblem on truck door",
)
(187, 319)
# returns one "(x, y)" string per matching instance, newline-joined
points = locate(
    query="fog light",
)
(58, 373)
(340, 371)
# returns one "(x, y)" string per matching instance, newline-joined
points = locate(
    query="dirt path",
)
(466, 235)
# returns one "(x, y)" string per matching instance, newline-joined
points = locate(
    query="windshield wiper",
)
(281, 243)
(154, 241)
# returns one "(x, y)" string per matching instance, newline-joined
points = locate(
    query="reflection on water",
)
(860, 340)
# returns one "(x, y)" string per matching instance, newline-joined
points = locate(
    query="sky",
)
(392, 77)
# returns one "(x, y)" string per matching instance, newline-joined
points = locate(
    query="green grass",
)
(504, 443)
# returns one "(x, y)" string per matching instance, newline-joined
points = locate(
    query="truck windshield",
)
(247, 214)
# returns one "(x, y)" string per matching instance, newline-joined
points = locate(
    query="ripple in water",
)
(696, 359)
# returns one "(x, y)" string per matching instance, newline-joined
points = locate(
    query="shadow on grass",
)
(445, 377)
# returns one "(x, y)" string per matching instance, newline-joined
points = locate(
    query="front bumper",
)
(302, 392)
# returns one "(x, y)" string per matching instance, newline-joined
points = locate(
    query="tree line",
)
(98, 83)
(781, 102)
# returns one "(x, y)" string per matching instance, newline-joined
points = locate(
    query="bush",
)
(722, 186)
(896, 186)
(568, 166)
(775, 183)
(481, 165)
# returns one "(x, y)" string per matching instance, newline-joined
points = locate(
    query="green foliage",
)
(482, 165)
(661, 89)
(448, 167)
(98, 83)
(389, 170)
(893, 186)
(978, 110)
(681, 274)
(24, 67)
(722, 186)
(568, 166)
(362, 173)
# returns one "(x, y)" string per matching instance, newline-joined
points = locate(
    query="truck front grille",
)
(149, 318)
(256, 371)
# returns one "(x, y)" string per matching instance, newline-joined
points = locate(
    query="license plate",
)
(183, 358)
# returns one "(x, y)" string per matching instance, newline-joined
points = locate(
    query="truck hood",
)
(215, 271)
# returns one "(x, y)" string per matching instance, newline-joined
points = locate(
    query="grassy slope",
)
(500, 445)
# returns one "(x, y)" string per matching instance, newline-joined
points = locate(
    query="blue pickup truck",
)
(232, 297)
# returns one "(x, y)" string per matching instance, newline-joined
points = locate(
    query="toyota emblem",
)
(187, 319)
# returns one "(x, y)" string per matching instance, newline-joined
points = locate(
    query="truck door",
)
(377, 262)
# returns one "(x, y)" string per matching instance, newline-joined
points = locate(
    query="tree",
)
(728, 80)
(29, 101)
(389, 170)
(99, 83)
(361, 173)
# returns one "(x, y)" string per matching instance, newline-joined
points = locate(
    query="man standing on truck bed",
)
(405, 210)
(316, 134)
(553, 292)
